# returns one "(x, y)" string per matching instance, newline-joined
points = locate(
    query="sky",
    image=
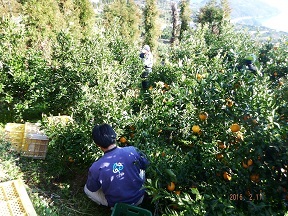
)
(280, 21)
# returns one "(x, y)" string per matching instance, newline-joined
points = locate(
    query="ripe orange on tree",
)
(255, 177)
(219, 156)
(203, 116)
(229, 102)
(246, 165)
(196, 129)
(246, 117)
(178, 192)
(166, 86)
(248, 193)
(123, 140)
(70, 159)
(171, 186)
(254, 121)
(199, 77)
(249, 162)
(235, 127)
(221, 145)
(132, 127)
(227, 176)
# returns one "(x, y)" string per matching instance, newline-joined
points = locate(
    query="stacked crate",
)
(27, 139)
(15, 134)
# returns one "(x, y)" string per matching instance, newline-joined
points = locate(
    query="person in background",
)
(118, 176)
(147, 58)
(248, 64)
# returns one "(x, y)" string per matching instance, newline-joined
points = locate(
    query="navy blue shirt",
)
(117, 173)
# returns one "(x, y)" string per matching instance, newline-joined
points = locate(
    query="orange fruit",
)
(248, 193)
(132, 135)
(163, 154)
(171, 186)
(249, 162)
(254, 177)
(227, 176)
(166, 86)
(235, 127)
(203, 116)
(219, 156)
(199, 77)
(221, 145)
(244, 165)
(132, 128)
(196, 129)
(177, 192)
(229, 102)
(71, 160)
(246, 117)
(123, 140)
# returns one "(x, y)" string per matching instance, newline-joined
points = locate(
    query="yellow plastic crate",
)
(35, 146)
(14, 200)
(15, 134)
(14, 127)
(64, 119)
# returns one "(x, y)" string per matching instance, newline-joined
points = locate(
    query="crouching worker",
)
(119, 175)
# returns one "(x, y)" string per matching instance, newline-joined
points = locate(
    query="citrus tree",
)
(214, 131)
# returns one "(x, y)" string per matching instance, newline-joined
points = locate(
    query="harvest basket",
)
(14, 200)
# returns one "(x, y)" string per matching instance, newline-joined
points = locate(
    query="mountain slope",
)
(246, 11)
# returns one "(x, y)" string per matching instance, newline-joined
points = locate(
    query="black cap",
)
(104, 135)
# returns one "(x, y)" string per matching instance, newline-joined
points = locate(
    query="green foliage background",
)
(95, 78)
